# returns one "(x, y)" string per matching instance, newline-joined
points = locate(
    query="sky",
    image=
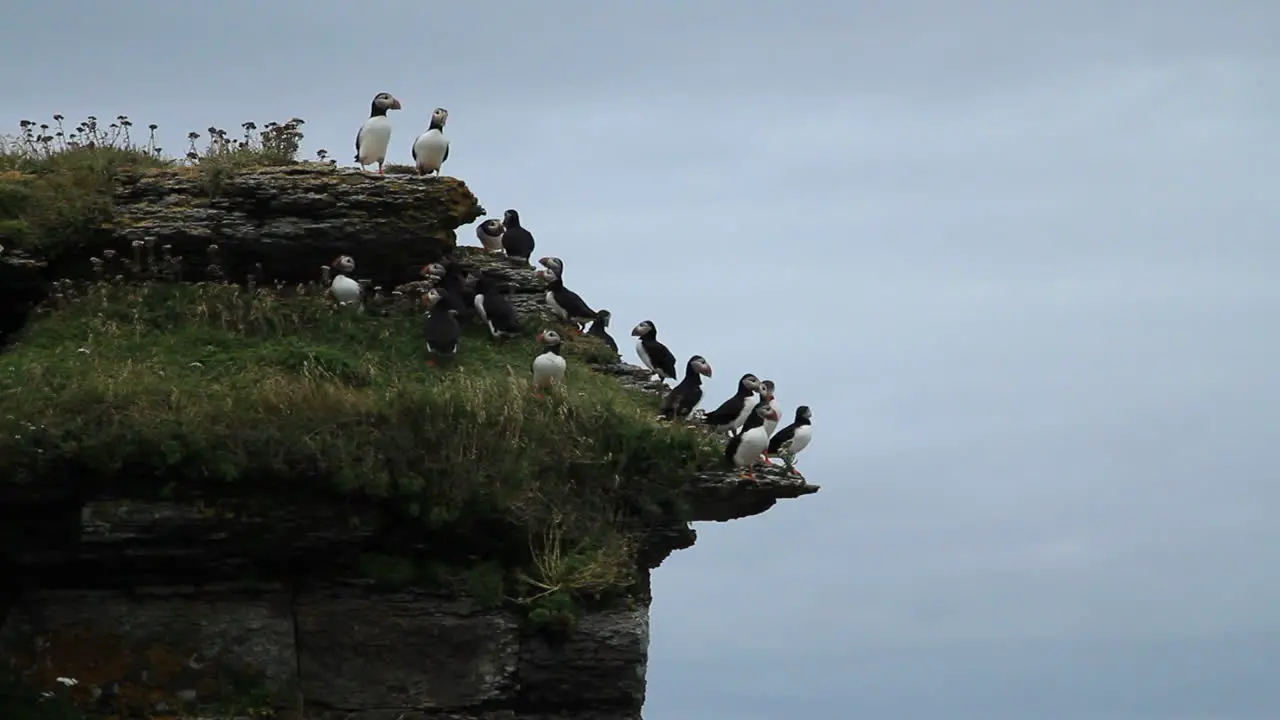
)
(1020, 259)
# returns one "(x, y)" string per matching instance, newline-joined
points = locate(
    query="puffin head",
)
(644, 328)
(750, 382)
(552, 263)
(766, 389)
(765, 410)
(603, 317)
(433, 297)
(803, 413)
(386, 101)
(511, 218)
(547, 275)
(492, 226)
(439, 117)
(549, 338)
(700, 365)
(344, 264)
(434, 270)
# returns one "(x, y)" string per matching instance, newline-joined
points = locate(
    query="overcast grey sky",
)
(1020, 258)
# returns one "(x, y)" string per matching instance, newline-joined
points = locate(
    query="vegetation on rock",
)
(136, 384)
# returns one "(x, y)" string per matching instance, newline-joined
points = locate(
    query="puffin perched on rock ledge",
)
(375, 134)
(652, 353)
(686, 395)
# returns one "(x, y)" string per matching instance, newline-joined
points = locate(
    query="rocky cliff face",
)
(166, 608)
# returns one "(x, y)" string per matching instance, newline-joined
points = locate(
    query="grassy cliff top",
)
(151, 388)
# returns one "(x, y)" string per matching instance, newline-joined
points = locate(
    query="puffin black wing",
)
(726, 413)
(518, 242)
(681, 401)
(782, 437)
(661, 357)
(446, 154)
(358, 134)
(413, 151)
(731, 448)
(501, 313)
(573, 303)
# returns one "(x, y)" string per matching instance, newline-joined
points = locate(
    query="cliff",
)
(222, 496)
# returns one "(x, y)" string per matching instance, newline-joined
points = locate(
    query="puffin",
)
(493, 307)
(733, 412)
(793, 438)
(489, 233)
(766, 394)
(686, 395)
(375, 133)
(744, 449)
(654, 354)
(549, 365)
(517, 241)
(343, 289)
(441, 328)
(431, 148)
(450, 279)
(600, 326)
(554, 264)
(565, 303)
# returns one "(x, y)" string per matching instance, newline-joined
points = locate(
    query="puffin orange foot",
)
(795, 471)
(747, 475)
(431, 363)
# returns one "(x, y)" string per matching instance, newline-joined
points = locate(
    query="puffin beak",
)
(635, 331)
(395, 104)
(706, 370)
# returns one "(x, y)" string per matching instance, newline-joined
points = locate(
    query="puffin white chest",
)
(548, 367)
(752, 443)
(429, 150)
(748, 405)
(555, 307)
(479, 305)
(375, 136)
(644, 355)
(801, 439)
(345, 290)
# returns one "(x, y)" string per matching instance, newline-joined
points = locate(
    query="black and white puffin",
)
(686, 395)
(441, 328)
(652, 353)
(549, 365)
(744, 449)
(793, 438)
(489, 233)
(554, 264)
(450, 279)
(345, 290)
(766, 394)
(565, 303)
(733, 412)
(516, 240)
(375, 133)
(494, 308)
(600, 328)
(431, 148)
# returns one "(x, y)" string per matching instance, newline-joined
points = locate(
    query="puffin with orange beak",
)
(375, 134)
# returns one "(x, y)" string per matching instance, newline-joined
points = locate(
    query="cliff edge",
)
(222, 495)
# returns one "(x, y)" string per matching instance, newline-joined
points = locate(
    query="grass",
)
(211, 388)
(56, 181)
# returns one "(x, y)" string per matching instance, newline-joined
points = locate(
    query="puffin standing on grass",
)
(733, 412)
(516, 240)
(441, 328)
(375, 133)
(744, 449)
(345, 290)
(793, 438)
(431, 148)
(652, 353)
(565, 303)
(489, 233)
(686, 395)
(494, 309)
(599, 329)
(549, 365)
